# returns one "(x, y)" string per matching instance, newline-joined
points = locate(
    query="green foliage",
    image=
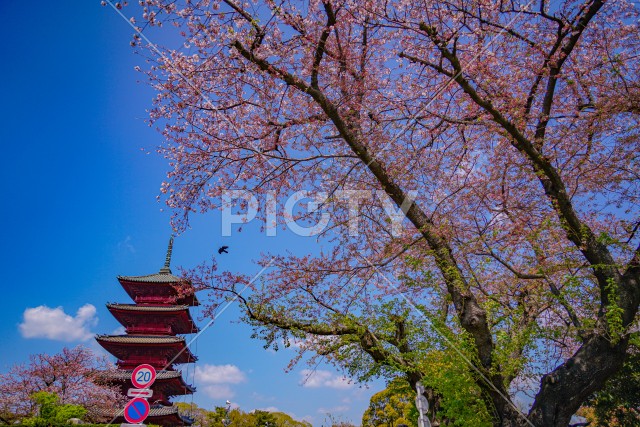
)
(450, 376)
(614, 312)
(511, 342)
(47, 402)
(264, 419)
(442, 367)
(238, 418)
(52, 412)
(215, 418)
(68, 411)
(392, 406)
(606, 239)
(285, 420)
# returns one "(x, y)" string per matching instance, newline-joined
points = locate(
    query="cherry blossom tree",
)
(71, 375)
(503, 133)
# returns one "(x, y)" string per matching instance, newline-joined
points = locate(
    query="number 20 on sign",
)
(143, 376)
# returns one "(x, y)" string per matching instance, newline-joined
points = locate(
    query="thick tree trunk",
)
(565, 389)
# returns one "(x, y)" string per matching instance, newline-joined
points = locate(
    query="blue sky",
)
(80, 178)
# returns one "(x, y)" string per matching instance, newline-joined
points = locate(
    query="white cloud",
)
(215, 380)
(55, 324)
(218, 391)
(320, 378)
(219, 374)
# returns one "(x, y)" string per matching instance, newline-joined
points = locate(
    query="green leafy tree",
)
(66, 411)
(51, 411)
(47, 402)
(392, 406)
(458, 399)
(215, 418)
(239, 418)
(285, 420)
(264, 419)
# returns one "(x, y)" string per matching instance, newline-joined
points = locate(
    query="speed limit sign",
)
(143, 376)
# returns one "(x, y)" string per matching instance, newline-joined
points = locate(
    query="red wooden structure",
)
(152, 325)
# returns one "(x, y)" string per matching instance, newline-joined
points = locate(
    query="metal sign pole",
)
(423, 407)
(226, 420)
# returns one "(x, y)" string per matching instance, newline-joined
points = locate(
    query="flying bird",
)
(223, 249)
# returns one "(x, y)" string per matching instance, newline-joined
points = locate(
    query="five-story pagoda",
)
(153, 325)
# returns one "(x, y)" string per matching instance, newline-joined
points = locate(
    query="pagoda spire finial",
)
(167, 261)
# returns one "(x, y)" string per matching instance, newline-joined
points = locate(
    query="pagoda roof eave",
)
(167, 284)
(173, 347)
(148, 307)
(153, 278)
(140, 339)
(178, 316)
